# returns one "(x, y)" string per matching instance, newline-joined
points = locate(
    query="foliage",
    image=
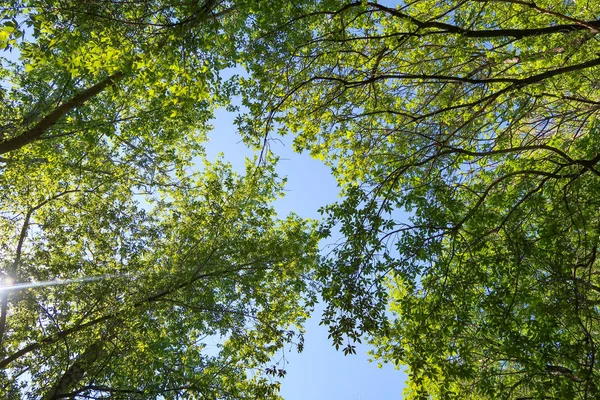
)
(464, 135)
(103, 183)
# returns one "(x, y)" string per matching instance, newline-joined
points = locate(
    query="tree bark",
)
(55, 115)
(75, 373)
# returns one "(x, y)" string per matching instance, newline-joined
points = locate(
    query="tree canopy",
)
(182, 280)
(463, 135)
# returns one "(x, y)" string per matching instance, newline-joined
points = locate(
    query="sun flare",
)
(7, 284)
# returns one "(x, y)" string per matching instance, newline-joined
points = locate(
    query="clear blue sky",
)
(320, 372)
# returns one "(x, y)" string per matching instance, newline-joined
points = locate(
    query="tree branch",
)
(53, 117)
(592, 26)
(80, 327)
(75, 373)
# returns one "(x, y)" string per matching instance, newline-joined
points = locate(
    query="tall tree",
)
(208, 261)
(138, 269)
(464, 135)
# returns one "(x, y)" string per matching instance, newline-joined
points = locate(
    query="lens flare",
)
(8, 284)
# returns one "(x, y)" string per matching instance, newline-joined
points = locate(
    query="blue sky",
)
(319, 372)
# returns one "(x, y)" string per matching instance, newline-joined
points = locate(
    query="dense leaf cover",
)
(191, 284)
(465, 137)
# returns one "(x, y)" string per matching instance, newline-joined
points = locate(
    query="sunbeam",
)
(7, 284)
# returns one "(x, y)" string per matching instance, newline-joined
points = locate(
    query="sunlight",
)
(8, 284)
(5, 282)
